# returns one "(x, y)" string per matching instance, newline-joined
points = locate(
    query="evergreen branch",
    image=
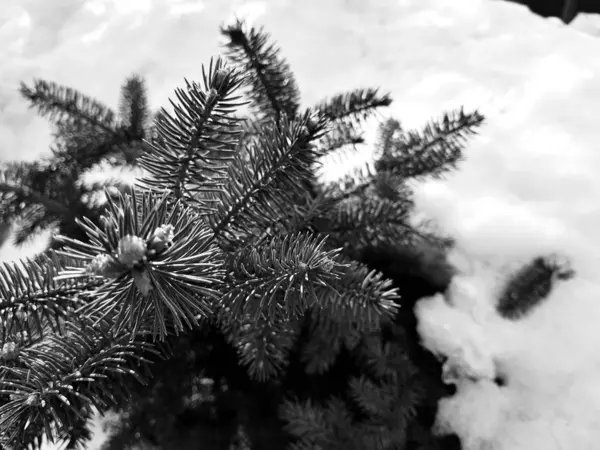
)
(262, 343)
(354, 107)
(32, 221)
(387, 360)
(364, 221)
(354, 183)
(177, 383)
(368, 213)
(335, 428)
(44, 177)
(433, 151)
(340, 135)
(366, 182)
(57, 383)
(12, 186)
(376, 400)
(31, 437)
(133, 106)
(307, 422)
(530, 285)
(301, 217)
(389, 136)
(158, 259)
(31, 299)
(279, 278)
(327, 335)
(36, 196)
(392, 395)
(63, 104)
(191, 155)
(360, 296)
(280, 161)
(392, 372)
(77, 151)
(388, 407)
(75, 437)
(391, 187)
(273, 87)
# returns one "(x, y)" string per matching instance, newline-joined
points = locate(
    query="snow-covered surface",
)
(529, 185)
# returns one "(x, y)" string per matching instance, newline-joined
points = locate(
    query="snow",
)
(528, 187)
(551, 398)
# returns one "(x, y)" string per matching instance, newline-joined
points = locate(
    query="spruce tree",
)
(231, 299)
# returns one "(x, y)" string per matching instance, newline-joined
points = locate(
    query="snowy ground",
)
(529, 185)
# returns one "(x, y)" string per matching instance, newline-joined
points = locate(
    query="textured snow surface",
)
(529, 185)
(549, 362)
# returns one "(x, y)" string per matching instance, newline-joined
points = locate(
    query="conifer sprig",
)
(273, 88)
(280, 277)
(77, 150)
(401, 155)
(262, 343)
(347, 113)
(63, 104)
(389, 134)
(353, 108)
(360, 296)
(329, 333)
(18, 197)
(271, 177)
(434, 151)
(33, 302)
(320, 426)
(364, 221)
(57, 382)
(340, 135)
(191, 154)
(376, 414)
(133, 107)
(308, 423)
(354, 183)
(41, 195)
(158, 259)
